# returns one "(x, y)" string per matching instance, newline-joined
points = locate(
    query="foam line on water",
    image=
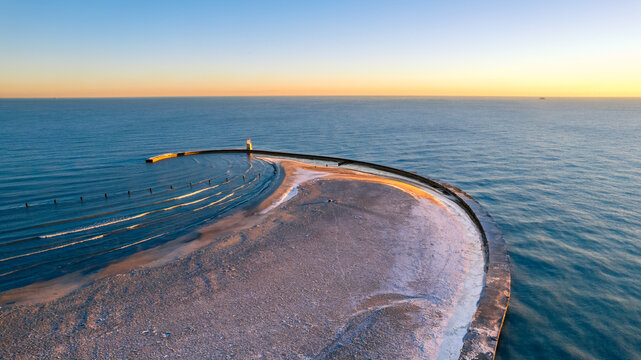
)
(53, 248)
(140, 242)
(217, 202)
(115, 222)
(103, 214)
(128, 218)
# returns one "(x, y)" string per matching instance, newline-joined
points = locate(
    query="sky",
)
(116, 48)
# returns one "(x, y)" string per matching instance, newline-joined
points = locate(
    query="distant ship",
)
(541, 98)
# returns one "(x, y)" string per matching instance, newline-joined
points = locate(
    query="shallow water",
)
(560, 176)
(119, 211)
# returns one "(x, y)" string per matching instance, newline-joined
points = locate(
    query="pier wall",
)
(482, 337)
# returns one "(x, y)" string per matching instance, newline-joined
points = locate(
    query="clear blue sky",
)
(129, 48)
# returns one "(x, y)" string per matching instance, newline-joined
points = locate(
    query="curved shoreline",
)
(59, 286)
(383, 297)
(481, 339)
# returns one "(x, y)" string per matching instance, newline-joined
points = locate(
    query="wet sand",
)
(384, 270)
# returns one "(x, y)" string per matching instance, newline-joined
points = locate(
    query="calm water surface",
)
(560, 176)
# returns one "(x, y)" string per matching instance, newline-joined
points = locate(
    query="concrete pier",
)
(162, 157)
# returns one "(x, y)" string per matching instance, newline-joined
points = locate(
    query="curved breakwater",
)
(121, 212)
(481, 335)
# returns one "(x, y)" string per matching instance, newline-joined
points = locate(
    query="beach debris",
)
(151, 331)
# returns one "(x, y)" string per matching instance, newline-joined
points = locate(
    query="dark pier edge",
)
(483, 333)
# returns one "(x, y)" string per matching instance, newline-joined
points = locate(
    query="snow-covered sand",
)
(386, 269)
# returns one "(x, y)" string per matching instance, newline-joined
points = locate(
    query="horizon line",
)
(310, 96)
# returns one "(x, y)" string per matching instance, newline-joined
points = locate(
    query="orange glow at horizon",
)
(448, 85)
(591, 80)
(141, 91)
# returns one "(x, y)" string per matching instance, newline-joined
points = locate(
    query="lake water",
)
(560, 176)
(118, 211)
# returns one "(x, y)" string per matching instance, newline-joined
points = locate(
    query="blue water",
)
(117, 212)
(560, 176)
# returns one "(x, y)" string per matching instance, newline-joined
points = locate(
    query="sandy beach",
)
(334, 264)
